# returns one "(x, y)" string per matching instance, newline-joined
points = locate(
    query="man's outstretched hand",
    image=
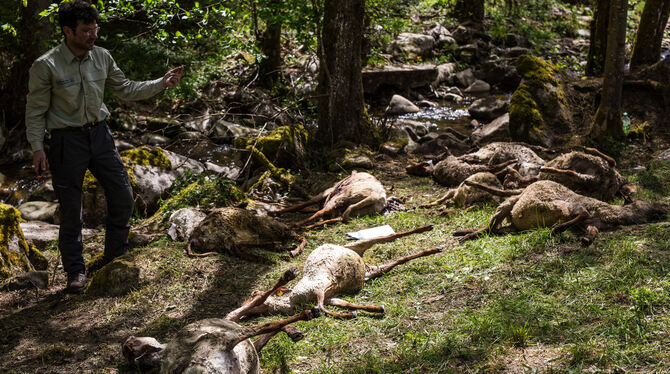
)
(40, 162)
(173, 77)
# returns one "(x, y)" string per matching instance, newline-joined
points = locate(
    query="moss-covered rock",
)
(284, 147)
(94, 205)
(16, 254)
(538, 111)
(115, 279)
(204, 192)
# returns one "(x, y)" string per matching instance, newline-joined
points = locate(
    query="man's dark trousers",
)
(71, 152)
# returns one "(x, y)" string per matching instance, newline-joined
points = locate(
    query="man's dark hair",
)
(70, 12)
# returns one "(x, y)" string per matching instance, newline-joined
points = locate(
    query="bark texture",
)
(607, 121)
(340, 92)
(33, 35)
(647, 45)
(470, 10)
(595, 60)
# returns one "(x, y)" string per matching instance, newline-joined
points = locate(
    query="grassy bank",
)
(528, 302)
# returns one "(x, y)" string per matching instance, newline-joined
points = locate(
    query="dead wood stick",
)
(259, 299)
(379, 270)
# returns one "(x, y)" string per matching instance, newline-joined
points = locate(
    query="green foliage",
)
(656, 177)
(531, 19)
(198, 190)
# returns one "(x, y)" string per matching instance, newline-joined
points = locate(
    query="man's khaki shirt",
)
(67, 91)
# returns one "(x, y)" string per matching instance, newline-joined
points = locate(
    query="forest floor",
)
(521, 303)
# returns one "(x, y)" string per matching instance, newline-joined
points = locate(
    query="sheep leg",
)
(318, 199)
(361, 246)
(503, 211)
(376, 271)
(194, 243)
(320, 213)
(298, 250)
(500, 166)
(595, 152)
(583, 178)
(574, 221)
(322, 223)
(347, 305)
(493, 190)
(259, 299)
(292, 332)
(590, 236)
(320, 303)
(354, 208)
(450, 194)
(269, 327)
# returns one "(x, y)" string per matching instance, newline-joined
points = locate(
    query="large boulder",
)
(478, 87)
(442, 36)
(464, 78)
(496, 131)
(400, 105)
(152, 170)
(410, 46)
(487, 109)
(39, 211)
(16, 254)
(117, 278)
(538, 110)
(499, 74)
(41, 234)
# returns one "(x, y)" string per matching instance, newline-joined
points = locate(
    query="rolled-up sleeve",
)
(37, 105)
(130, 90)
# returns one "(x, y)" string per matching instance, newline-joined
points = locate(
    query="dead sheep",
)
(359, 194)
(550, 204)
(232, 230)
(332, 270)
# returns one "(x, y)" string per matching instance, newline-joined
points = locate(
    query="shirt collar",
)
(69, 56)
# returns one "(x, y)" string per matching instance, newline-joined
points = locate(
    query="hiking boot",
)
(76, 282)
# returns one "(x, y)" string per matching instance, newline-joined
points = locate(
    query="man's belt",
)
(86, 126)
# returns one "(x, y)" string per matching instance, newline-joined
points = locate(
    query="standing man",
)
(65, 95)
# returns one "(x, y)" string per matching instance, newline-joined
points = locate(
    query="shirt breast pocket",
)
(67, 86)
(96, 79)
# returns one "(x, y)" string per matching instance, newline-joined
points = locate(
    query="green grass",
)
(527, 302)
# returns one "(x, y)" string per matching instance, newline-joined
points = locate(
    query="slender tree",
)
(269, 40)
(647, 45)
(341, 108)
(595, 60)
(607, 121)
(469, 10)
(33, 33)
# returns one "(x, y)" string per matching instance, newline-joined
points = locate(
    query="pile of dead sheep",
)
(561, 191)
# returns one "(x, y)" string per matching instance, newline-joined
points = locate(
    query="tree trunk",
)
(647, 45)
(33, 36)
(341, 107)
(270, 45)
(595, 61)
(607, 121)
(469, 10)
